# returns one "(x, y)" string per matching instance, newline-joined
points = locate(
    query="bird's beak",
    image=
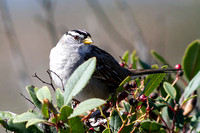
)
(88, 40)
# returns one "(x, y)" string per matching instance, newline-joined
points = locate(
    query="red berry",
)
(139, 107)
(178, 66)
(121, 64)
(143, 98)
(153, 95)
(122, 95)
(91, 129)
(148, 109)
(131, 66)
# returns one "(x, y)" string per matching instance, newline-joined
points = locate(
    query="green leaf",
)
(25, 117)
(144, 65)
(188, 99)
(125, 57)
(107, 130)
(152, 82)
(150, 126)
(7, 115)
(87, 105)
(179, 119)
(127, 107)
(43, 93)
(115, 121)
(192, 86)
(171, 91)
(191, 59)
(195, 121)
(59, 98)
(65, 112)
(6, 120)
(76, 126)
(158, 57)
(134, 60)
(32, 90)
(128, 128)
(34, 121)
(79, 79)
(45, 110)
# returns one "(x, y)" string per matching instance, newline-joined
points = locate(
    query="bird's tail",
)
(141, 72)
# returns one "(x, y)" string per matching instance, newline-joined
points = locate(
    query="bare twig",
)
(51, 83)
(58, 77)
(27, 99)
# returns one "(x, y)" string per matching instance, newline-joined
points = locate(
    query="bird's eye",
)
(76, 37)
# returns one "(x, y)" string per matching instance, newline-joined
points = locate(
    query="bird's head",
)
(77, 37)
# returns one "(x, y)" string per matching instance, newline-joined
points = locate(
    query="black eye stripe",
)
(81, 32)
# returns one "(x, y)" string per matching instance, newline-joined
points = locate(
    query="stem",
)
(104, 117)
(163, 121)
(174, 120)
(177, 78)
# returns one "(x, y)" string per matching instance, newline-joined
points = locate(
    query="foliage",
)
(150, 104)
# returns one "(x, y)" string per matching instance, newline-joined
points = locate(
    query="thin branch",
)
(27, 99)
(51, 83)
(58, 77)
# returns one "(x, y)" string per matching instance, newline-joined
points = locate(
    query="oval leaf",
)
(24, 117)
(107, 130)
(45, 110)
(115, 121)
(171, 91)
(87, 105)
(34, 121)
(125, 57)
(43, 93)
(32, 90)
(158, 57)
(134, 60)
(65, 112)
(59, 98)
(193, 85)
(191, 59)
(79, 79)
(150, 126)
(152, 82)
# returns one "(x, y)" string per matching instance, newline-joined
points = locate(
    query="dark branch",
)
(58, 77)
(51, 83)
(27, 99)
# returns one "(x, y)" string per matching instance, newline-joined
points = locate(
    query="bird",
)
(74, 48)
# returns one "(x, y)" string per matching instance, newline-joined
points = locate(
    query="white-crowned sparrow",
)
(73, 49)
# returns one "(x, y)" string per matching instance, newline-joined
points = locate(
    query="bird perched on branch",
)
(75, 47)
